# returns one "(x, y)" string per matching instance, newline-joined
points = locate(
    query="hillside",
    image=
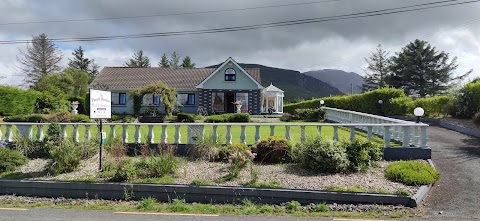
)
(339, 79)
(295, 84)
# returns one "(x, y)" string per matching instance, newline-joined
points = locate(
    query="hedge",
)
(467, 102)
(226, 118)
(32, 118)
(14, 101)
(186, 117)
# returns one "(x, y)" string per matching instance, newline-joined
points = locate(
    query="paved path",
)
(457, 157)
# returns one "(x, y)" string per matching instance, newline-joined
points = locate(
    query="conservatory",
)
(272, 100)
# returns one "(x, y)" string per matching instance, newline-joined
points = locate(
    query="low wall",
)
(460, 129)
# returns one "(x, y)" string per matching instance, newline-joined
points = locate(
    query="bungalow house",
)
(209, 89)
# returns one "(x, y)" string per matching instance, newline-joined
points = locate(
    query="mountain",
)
(295, 84)
(339, 79)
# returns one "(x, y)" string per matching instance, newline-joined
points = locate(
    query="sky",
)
(340, 44)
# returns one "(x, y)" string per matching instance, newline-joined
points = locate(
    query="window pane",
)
(114, 98)
(191, 99)
(243, 97)
(218, 101)
(123, 98)
(182, 99)
(147, 99)
(156, 100)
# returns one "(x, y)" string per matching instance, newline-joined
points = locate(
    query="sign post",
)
(100, 108)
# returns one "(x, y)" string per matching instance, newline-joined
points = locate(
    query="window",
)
(119, 98)
(230, 75)
(122, 98)
(242, 97)
(186, 99)
(151, 100)
(218, 101)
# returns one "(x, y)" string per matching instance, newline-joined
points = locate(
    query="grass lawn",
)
(310, 131)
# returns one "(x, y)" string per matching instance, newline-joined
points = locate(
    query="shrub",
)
(201, 183)
(225, 151)
(476, 118)
(321, 155)
(10, 160)
(412, 173)
(65, 157)
(321, 207)
(467, 102)
(310, 115)
(17, 101)
(158, 166)
(362, 154)
(80, 118)
(237, 160)
(274, 150)
(119, 171)
(293, 206)
(226, 118)
(204, 149)
(32, 118)
(286, 117)
(186, 118)
(434, 106)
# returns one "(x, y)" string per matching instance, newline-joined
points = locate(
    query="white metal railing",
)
(397, 131)
(412, 134)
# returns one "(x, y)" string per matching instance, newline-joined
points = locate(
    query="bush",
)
(286, 117)
(119, 171)
(467, 102)
(476, 118)
(32, 118)
(226, 151)
(310, 115)
(228, 118)
(204, 149)
(434, 106)
(158, 166)
(274, 150)
(17, 101)
(321, 155)
(65, 157)
(293, 206)
(362, 154)
(186, 118)
(412, 173)
(80, 118)
(10, 160)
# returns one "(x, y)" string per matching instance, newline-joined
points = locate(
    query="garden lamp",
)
(418, 112)
(380, 101)
(322, 103)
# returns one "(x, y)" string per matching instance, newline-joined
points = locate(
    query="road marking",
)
(166, 214)
(359, 220)
(14, 209)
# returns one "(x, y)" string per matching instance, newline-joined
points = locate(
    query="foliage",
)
(293, 206)
(197, 182)
(41, 58)
(225, 151)
(362, 154)
(119, 171)
(80, 118)
(164, 180)
(81, 63)
(123, 118)
(15, 101)
(476, 118)
(399, 106)
(321, 155)
(147, 203)
(355, 189)
(433, 106)
(366, 102)
(204, 149)
(10, 160)
(174, 60)
(52, 102)
(187, 63)
(377, 69)
(82, 106)
(65, 157)
(228, 118)
(412, 173)
(237, 160)
(186, 117)
(286, 117)
(164, 62)
(274, 149)
(402, 192)
(310, 115)
(467, 102)
(275, 184)
(421, 70)
(320, 208)
(32, 118)
(138, 60)
(168, 96)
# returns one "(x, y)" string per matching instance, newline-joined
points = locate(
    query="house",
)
(198, 89)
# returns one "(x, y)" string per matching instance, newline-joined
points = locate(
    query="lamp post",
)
(322, 103)
(380, 102)
(418, 112)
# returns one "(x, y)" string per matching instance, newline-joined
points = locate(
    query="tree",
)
(174, 60)
(41, 58)
(164, 63)
(377, 70)
(138, 60)
(79, 62)
(422, 71)
(187, 63)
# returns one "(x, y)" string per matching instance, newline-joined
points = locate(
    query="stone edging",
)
(423, 190)
(199, 194)
(460, 129)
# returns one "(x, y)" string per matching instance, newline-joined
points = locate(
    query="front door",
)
(229, 99)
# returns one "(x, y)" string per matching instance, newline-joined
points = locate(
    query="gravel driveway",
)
(457, 157)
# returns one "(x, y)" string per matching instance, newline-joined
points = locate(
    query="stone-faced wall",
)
(254, 99)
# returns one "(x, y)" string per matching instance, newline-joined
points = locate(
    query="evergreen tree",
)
(41, 58)
(174, 60)
(138, 60)
(422, 71)
(79, 62)
(187, 63)
(377, 69)
(164, 63)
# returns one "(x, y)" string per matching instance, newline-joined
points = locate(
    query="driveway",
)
(457, 157)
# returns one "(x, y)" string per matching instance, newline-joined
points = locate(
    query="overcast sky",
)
(336, 44)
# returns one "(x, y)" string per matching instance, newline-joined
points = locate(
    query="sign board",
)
(100, 104)
(104, 137)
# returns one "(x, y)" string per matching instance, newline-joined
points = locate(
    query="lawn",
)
(310, 131)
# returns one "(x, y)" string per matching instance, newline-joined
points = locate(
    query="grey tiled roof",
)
(121, 78)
